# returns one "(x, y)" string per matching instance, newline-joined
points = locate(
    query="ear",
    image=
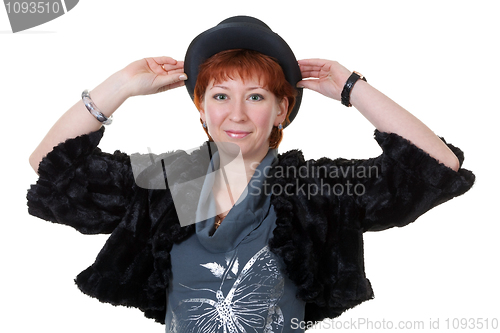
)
(283, 109)
(202, 114)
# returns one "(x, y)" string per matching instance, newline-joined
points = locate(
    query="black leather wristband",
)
(346, 92)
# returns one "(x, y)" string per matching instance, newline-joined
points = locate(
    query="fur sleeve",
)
(82, 187)
(392, 189)
(409, 183)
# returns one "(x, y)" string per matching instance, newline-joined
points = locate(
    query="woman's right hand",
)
(142, 77)
(153, 75)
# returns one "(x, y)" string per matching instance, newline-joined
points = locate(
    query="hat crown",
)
(244, 19)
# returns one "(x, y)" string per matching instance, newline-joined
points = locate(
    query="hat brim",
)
(242, 35)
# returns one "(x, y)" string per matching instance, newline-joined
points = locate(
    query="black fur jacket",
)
(319, 237)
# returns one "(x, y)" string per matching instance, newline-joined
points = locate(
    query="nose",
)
(238, 111)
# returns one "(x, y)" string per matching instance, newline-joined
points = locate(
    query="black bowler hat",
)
(242, 32)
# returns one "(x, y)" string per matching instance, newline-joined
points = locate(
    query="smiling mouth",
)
(237, 134)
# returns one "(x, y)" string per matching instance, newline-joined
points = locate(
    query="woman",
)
(278, 240)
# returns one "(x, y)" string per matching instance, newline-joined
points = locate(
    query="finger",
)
(171, 86)
(312, 62)
(165, 60)
(170, 67)
(176, 71)
(154, 65)
(310, 68)
(163, 64)
(309, 84)
(310, 74)
(166, 80)
(170, 70)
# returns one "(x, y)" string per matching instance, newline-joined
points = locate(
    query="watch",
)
(346, 92)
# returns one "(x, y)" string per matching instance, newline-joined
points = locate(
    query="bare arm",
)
(329, 77)
(142, 77)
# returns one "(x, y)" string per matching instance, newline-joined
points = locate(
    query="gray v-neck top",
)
(246, 215)
(230, 281)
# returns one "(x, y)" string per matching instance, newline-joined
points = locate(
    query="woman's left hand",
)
(326, 77)
(329, 77)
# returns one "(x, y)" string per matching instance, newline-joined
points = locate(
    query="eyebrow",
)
(250, 88)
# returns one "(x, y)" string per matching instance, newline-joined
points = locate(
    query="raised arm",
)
(328, 78)
(142, 77)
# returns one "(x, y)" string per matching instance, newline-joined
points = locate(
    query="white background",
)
(439, 59)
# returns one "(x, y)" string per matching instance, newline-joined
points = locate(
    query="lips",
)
(237, 134)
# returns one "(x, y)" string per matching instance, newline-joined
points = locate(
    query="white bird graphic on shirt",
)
(250, 306)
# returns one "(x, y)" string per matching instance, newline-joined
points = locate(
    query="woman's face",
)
(244, 113)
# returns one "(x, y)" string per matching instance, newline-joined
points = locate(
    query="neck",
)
(233, 177)
(239, 169)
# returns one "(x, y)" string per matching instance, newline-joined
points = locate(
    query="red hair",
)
(246, 64)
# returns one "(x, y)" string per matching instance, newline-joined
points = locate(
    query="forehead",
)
(235, 79)
(240, 72)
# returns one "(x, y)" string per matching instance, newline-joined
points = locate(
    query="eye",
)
(220, 97)
(256, 97)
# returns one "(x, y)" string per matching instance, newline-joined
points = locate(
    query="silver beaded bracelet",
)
(89, 104)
